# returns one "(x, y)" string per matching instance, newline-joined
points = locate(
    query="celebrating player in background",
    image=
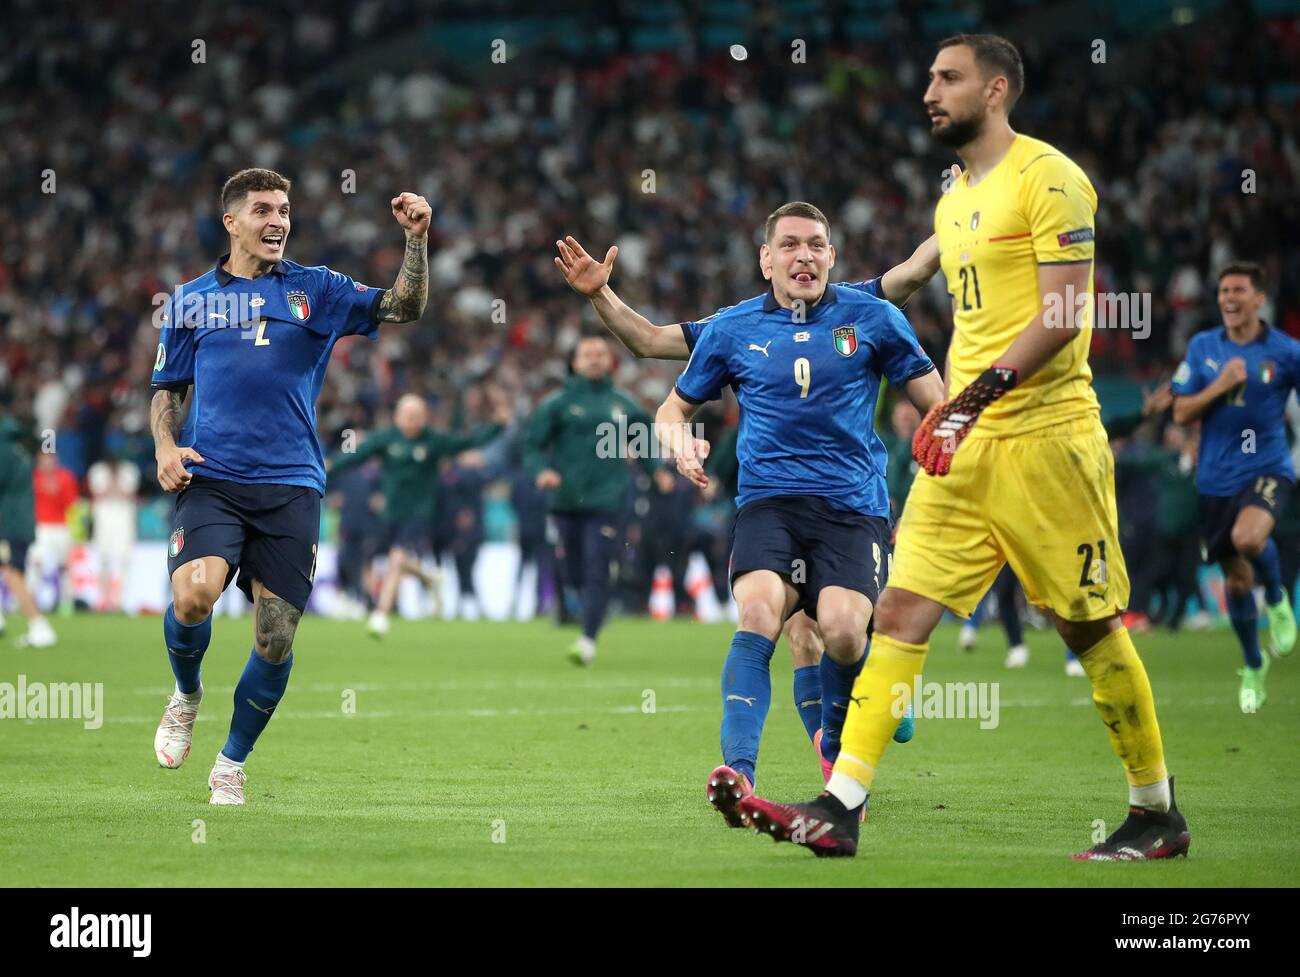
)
(586, 485)
(812, 521)
(410, 452)
(17, 530)
(1236, 380)
(253, 336)
(643, 339)
(1017, 466)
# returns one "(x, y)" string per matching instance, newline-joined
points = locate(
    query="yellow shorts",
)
(1043, 502)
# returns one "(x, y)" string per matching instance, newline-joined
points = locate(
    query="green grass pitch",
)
(477, 755)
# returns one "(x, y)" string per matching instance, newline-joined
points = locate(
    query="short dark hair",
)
(573, 353)
(1248, 268)
(795, 208)
(249, 181)
(995, 56)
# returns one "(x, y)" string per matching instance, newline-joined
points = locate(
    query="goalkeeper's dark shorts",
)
(1219, 513)
(813, 545)
(263, 532)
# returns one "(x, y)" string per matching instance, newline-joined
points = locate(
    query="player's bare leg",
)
(805, 640)
(275, 623)
(829, 824)
(39, 633)
(196, 586)
(400, 563)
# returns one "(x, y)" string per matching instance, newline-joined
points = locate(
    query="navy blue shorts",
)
(414, 535)
(811, 544)
(268, 532)
(1219, 512)
(13, 553)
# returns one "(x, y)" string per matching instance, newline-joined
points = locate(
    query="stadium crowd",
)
(118, 140)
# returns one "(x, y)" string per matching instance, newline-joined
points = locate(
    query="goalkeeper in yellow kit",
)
(1016, 465)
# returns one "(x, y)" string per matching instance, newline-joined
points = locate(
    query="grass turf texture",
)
(463, 732)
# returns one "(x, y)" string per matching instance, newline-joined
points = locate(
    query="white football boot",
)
(967, 637)
(583, 651)
(1017, 657)
(377, 625)
(39, 635)
(1074, 668)
(226, 782)
(171, 743)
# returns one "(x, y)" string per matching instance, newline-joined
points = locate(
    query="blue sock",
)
(186, 644)
(1268, 568)
(263, 683)
(808, 697)
(837, 686)
(746, 697)
(1242, 613)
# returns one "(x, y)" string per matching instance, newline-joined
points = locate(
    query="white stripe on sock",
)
(1153, 797)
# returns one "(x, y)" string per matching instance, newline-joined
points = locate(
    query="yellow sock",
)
(880, 693)
(1122, 695)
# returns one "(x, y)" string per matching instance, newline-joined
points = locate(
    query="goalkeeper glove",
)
(947, 424)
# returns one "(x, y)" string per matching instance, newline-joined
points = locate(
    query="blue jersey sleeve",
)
(173, 365)
(692, 330)
(871, 286)
(1191, 377)
(899, 353)
(353, 309)
(708, 371)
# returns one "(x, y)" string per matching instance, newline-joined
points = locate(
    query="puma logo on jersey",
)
(1060, 190)
(1211, 363)
(740, 698)
(217, 315)
(762, 349)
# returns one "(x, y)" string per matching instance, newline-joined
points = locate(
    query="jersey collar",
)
(224, 277)
(1263, 335)
(829, 297)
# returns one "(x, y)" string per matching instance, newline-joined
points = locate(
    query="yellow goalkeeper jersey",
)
(1035, 207)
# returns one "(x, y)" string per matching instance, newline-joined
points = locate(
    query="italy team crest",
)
(177, 543)
(846, 340)
(299, 308)
(1267, 371)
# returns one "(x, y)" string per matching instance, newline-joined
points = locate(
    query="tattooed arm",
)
(405, 301)
(165, 421)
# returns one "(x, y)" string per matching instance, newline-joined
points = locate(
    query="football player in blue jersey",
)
(1235, 379)
(641, 337)
(590, 278)
(812, 523)
(253, 337)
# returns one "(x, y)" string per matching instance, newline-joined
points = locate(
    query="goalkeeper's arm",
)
(1049, 332)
